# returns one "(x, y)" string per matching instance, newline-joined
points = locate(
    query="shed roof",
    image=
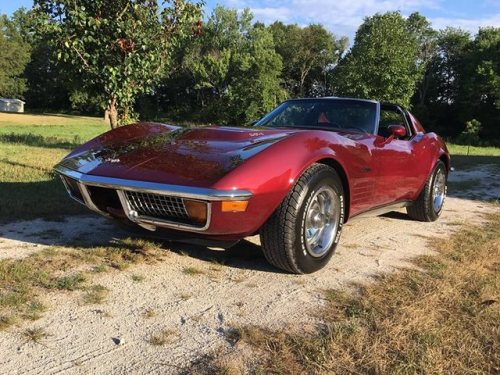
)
(12, 101)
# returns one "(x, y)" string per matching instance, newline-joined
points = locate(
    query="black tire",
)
(423, 208)
(283, 235)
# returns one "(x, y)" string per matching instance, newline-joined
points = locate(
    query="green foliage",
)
(449, 69)
(463, 80)
(235, 68)
(382, 64)
(14, 55)
(120, 49)
(470, 135)
(487, 58)
(308, 54)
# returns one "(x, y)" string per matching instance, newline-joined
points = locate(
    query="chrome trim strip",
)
(380, 210)
(158, 222)
(154, 187)
(69, 191)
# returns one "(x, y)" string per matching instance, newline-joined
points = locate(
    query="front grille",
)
(157, 206)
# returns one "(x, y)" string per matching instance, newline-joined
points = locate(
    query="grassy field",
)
(64, 128)
(438, 318)
(465, 157)
(473, 150)
(30, 145)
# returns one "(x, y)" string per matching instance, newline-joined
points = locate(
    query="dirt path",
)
(199, 308)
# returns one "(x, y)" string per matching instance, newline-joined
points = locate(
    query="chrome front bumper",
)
(122, 185)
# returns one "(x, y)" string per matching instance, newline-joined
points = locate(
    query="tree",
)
(426, 38)
(120, 49)
(481, 89)
(450, 66)
(382, 62)
(14, 55)
(234, 67)
(487, 50)
(470, 135)
(308, 53)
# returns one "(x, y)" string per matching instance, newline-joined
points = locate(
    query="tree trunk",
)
(125, 119)
(113, 113)
(106, 117)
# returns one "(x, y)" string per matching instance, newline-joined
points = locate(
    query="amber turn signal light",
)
(234, 206)
(197, 211)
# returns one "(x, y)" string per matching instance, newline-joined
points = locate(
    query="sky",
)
(342, 17)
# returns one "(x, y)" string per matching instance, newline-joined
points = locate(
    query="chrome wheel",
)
(321, 221)
(439, 190)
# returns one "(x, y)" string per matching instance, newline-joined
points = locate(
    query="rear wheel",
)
(303, 232)
(429, 204)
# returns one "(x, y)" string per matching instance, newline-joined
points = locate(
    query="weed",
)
(185, 296)
(163, 337)
(149, 313)
(137, 278)
(71, 282)
(35, 335)
(96, 294)
(193, 271)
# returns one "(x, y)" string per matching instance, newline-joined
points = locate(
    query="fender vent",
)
(73, 189)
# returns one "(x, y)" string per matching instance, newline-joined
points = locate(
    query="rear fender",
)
(435, 150)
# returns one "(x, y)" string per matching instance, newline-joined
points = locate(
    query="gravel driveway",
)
(199, 308)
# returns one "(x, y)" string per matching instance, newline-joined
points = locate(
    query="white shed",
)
(11, 105)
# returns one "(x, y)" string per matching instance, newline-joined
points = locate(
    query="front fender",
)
(270, 174)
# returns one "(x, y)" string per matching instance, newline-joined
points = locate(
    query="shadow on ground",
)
(31, 200)
(22, 238)
(35, 140)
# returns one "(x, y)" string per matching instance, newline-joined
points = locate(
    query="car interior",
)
(327, 114)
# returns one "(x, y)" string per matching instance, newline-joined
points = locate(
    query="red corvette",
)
(295, 177)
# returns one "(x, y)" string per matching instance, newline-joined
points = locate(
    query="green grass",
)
(473, 150)
(30, 145)
(64, 128)
(465, 157)
(95, 295)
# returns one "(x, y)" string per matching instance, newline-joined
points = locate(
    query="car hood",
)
(172, 155)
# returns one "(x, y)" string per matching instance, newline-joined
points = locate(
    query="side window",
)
(391, 116)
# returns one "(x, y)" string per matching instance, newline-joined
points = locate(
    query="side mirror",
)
(397, 131)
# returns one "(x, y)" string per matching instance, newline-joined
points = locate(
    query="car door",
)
(396, 180)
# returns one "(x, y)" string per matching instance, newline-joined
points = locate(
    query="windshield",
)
(328, 114)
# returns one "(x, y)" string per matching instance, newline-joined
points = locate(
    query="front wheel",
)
(429, 204)
(303, 232)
